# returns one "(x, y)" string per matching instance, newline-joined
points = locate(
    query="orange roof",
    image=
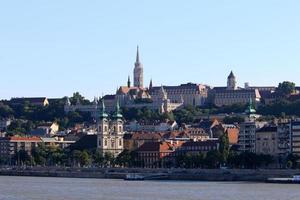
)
(233, 134)
(29, 139)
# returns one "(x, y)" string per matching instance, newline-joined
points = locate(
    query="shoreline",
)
(216, 175)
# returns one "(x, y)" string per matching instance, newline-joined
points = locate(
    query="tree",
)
(224, 148)
(124, 159)
(22, 157)
(285, 88)
(212, 159)
(109, 159)
(233, 119)
(98, 158)
(76, 157)
(85, 159)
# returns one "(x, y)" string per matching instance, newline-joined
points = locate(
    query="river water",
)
(37, 188)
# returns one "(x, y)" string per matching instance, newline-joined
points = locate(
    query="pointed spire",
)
(251, 107)
(231, 75)
(103, 114)
(118, 114)
(151, 84)
(137, 55)
(128, 82)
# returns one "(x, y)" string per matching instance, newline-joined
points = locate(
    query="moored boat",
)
(294, 180)
(134, 177)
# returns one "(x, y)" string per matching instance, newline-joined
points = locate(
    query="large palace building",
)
(225, 96)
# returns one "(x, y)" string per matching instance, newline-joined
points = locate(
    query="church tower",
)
(110, 132)
(138, 71)
(231, 82)
(103, 129)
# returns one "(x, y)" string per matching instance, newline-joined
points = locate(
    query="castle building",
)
(190, 94)
(231, 94)
(110, 132)
(138, 72)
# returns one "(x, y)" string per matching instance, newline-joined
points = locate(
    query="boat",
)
(134, 177)
(294, 180)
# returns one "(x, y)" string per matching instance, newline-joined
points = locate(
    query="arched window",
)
(120, 142)
(105, 142)
(105, 128)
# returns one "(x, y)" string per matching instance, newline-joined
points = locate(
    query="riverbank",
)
(260, 175)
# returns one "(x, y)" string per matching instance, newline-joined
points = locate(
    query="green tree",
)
(85, 159)
(285, 88)
(212, 159)
(98, 158)
(224, 148)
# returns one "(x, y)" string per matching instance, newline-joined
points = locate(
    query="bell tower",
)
(138, 72)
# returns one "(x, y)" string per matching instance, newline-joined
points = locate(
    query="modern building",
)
(266, 141)
(284, 139)
(295, 137)
(246, 138)
(10, 146)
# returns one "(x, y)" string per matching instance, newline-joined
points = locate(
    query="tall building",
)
(138, 72)
(246, 139)
(295, 139)
(231, 82)
(110, 132)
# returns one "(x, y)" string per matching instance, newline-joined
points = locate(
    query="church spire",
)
(151, 84)
(103, 114)
(118, 114)
(137, 55)
(138, 72)
(128, 82)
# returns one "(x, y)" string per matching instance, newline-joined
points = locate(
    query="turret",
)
(231, 82)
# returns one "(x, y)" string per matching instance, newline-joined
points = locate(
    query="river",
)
(39, 188)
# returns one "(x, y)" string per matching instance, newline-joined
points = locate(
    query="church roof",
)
(231, 75)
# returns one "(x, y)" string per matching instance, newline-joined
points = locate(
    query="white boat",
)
(134, 177)
(294, 180)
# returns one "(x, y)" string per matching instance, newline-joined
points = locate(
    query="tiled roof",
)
(27, 139)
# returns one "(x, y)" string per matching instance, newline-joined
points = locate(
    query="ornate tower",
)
(117, 132)
(103, 129)
(138, 71)
(231, 82)
(110, 132)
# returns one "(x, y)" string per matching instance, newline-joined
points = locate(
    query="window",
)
(120, 142)
(105, 142)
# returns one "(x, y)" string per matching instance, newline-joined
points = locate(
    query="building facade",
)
(226, 96)
(110, 132)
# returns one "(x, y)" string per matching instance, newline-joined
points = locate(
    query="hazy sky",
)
(56, 47)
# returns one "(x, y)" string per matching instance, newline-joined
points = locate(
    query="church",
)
(110, 132)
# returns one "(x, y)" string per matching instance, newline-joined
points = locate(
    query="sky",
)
(53, 48)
